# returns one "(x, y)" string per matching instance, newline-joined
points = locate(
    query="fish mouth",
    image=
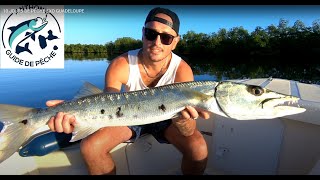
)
(289, 102)
(282, 106)
(40, 22)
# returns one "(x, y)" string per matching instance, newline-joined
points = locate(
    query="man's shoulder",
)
(183, 64)
(119, 69)
(119, 62)
(123, 58)
(125, 55)
(184, 72)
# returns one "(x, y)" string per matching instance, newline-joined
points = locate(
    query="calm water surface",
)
(33, 87)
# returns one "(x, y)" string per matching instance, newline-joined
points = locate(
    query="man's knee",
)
(198, 148)
(90, 146)
(104, 140)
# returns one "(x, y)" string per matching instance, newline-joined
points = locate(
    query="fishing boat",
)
(282, 146)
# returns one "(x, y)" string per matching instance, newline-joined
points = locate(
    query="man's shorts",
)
(155, 129)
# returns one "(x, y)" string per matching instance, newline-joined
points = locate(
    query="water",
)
(32, 88)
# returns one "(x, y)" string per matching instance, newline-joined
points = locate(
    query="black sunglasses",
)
(151, 35)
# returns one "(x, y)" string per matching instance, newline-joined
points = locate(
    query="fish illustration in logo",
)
(28, 28)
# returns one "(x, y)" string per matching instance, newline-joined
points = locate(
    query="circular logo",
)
(31, 36)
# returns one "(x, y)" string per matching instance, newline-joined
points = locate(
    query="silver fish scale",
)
(131, 108)
(134, 108)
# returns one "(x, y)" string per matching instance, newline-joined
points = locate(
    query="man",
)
(152, 65)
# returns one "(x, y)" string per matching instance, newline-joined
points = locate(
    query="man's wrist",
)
(186, 126)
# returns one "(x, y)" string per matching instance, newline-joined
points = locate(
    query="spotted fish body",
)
(95, 109)
(126, 109)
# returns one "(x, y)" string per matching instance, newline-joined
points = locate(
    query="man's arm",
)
(186, 123)
(117, 74)
(184, 73)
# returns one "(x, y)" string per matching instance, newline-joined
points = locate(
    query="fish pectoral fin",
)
(86, 90)
(196, 94)
(81, 132)
(178, 114)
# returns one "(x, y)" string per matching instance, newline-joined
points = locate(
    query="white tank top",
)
(135, 81)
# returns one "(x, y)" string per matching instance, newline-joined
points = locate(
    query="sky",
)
(100, 24)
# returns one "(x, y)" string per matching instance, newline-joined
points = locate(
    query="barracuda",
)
(95, 109)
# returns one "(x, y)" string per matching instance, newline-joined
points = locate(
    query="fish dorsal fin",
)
(86, 90)
(13, 28)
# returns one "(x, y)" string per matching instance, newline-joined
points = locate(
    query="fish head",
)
(246, 102)
(38, 23)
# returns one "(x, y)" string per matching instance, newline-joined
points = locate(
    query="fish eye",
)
(256, 90)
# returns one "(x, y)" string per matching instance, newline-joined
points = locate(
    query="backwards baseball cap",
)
(175, 19)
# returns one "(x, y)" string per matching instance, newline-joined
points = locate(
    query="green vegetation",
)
(274, 45)
(85, 56)
(84, 48)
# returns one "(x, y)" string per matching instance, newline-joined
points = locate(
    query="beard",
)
(156, 54)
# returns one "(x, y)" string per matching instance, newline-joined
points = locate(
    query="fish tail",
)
(14, 129)
(20, 49)
(26, 46)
